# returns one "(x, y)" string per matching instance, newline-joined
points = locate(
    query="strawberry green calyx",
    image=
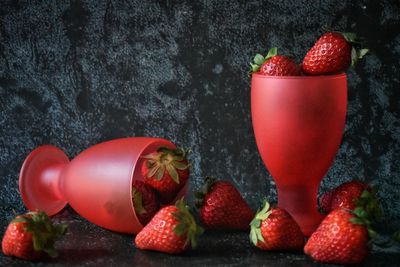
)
(366, 211)
(138, 201)
(166, 159)
(357, 52)
(255, 225)
(199, 195)
(44, 232)
(260, 59)
(186, 224)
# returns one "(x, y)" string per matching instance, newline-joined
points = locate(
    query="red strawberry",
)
(332, 53)
(274, 65)
(275, 229)
(343, 196)
(222, 207)
(145, 201)
(325, 201)
(338, 239)
(166, 171)
(172, 230)
(31, 236)
(343, 236)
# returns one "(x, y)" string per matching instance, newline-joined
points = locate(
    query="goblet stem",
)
(300, 200)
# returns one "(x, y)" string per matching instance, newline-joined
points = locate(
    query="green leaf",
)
(254, 67)
(180, 165)
(259, 235)
(371, 233)
(253, 236)
(180, 229)
(259, 59)
(356, 220)
(272, 52)
(350, 37)
(266, 207)
(173, 173)
(362, 52)
(354, 57)
(255, 223)
(138, 202)
(153, 171)
(159, 173)
(365, 194)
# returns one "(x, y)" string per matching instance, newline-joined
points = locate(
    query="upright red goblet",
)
(97, 183)
(298, 123)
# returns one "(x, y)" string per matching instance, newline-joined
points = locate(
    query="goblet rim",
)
(330, 76)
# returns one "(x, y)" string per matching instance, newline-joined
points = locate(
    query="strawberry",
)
(333, 52)
(338, 240)
(274, 65)
(145, 201)
(275, 229)
(325, 201)
(343, 196)
(344, 236)
(222, 207)
(166, 171)
(31, 236)
(172, 230)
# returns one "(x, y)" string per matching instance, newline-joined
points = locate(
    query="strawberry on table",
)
(222, 207)
(344, 196)
(172, 230)
(31, 236)
(274, 65)
(145, 201)
(338, 240)
(275, 229)
(343, 236)
(333, 52)
(166, 171)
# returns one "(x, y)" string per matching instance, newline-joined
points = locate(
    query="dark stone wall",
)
(75, 73)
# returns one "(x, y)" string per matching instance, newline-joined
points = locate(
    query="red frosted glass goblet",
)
(97, 183)
(298, 123)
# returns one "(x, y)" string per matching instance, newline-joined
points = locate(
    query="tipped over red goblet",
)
(298, 123)
(97, 183)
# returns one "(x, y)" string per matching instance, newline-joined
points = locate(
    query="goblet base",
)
(36, 184)
(301, 202)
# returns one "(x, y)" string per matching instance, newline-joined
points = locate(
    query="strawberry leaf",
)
(272, 52)
(138, 202)
(180, 165)
(253, 236)
(173, 173)
(259, 59)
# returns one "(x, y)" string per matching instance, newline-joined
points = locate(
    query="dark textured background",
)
(75, 73)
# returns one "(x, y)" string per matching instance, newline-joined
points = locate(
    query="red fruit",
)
(343, 196)
(333, 52)
(222, 207)
(31, 236)
(166, 171)
(172, 230)
(338, 240)
(274, 65)
(145, 201)
(325, 201)
(275, 229)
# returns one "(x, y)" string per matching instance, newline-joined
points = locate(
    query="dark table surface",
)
(89, 245)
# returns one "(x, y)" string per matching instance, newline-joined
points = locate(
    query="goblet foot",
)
(36, 184)
(301, 202)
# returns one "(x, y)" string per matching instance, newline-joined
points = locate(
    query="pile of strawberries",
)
(343, 237)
